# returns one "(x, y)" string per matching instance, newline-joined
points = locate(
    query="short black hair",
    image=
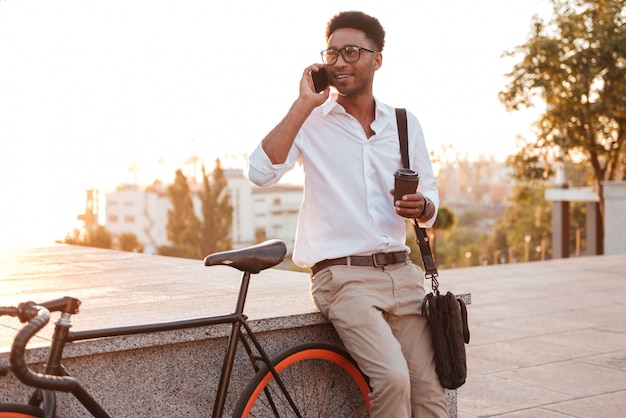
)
(360, 21)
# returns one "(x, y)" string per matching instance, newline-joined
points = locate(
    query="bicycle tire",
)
(323, 380)
(11, 410)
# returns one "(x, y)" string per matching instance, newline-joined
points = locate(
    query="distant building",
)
(275, 211)
(140, 211)
(258, 213)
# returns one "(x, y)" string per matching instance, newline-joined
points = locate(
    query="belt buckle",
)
(375, 261)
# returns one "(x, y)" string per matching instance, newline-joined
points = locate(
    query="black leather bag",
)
(446, 314)
(447, 320)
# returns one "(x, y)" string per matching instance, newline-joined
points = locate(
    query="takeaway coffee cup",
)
(405, 183)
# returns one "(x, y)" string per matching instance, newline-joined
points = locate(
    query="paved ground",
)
(548, 339)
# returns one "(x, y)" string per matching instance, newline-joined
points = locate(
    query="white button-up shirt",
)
(347, 208)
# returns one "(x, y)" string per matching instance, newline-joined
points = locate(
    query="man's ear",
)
(378, 61)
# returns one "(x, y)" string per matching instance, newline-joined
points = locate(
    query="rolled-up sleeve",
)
(262, 172)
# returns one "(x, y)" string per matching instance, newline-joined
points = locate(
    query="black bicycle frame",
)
(237, 319)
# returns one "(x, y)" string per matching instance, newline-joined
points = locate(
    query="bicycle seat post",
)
(227, 366)
(243, 292)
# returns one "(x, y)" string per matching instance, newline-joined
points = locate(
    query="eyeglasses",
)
(350, 53)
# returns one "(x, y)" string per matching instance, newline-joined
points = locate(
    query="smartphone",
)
(320, 80)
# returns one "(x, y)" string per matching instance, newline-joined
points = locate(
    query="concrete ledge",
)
(170, 379)
(172, 373)
(166, 374)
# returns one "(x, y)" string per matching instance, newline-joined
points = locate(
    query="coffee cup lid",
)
(406, 174)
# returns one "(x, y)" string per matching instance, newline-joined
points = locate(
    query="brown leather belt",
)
(375, 260)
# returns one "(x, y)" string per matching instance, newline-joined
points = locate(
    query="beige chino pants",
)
(377, 314)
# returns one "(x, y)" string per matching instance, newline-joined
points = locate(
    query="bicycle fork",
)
(54, 367)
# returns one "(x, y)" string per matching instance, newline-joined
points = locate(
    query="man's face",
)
(351, 78)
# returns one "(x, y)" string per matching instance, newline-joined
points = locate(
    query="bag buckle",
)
(434, 282)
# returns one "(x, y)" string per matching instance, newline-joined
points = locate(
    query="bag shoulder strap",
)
(403, 135)
(423, 240)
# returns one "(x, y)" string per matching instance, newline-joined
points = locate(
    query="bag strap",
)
(423, 240)
(403, 135)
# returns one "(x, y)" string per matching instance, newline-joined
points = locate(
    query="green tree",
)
(99, 237)
(527, 215)
(73, 238)
(96, 236)
(576, 65)
(127, 241)
(461, 241)
(446, 220)
(217, 212)
(463, 247)
(183, 226)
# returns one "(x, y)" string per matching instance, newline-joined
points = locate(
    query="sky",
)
(89, 89)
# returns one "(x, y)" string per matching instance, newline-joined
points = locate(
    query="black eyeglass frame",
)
(342, 50)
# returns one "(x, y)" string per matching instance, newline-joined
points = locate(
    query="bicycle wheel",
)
(11, 410)
(323, 381)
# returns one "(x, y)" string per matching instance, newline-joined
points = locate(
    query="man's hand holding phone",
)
(312, 76)
(319, 80)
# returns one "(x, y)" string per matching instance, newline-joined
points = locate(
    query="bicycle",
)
(311, 379)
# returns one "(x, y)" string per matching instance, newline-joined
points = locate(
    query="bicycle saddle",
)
(252, 259)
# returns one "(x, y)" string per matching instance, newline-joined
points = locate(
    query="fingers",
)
(306, 75)
(314, 67)
(410, 206)
(311, 73)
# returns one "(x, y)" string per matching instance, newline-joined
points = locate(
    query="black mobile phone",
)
(320, 80)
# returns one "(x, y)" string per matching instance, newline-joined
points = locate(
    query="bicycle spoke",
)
(318, 386)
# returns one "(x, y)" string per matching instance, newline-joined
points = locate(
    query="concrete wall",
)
(172, 374)
(176, 378)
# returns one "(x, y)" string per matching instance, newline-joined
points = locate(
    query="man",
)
(350, 231)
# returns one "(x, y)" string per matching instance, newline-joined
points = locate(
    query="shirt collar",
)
(330, 104)
(382, 111)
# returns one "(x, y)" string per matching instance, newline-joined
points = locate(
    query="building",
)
(275, 212)
(258, 213)
(140, 211)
